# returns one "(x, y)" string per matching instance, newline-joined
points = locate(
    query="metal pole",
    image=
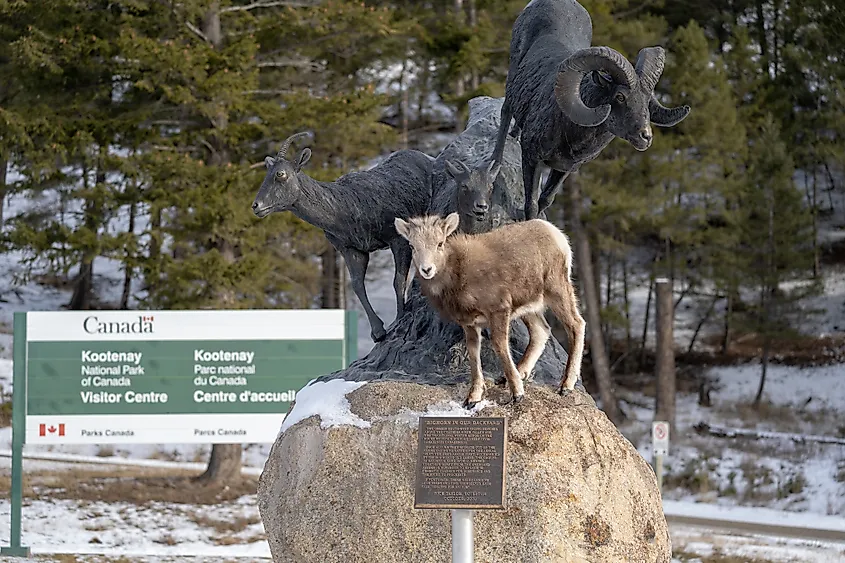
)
(658, 462)
(463, 550)
(18, 436)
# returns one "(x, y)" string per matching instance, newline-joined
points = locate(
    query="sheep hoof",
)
(517, 399)
(563, 391)
(378, 335)
(469, 405)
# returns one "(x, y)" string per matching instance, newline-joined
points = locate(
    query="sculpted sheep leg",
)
(504, 128)
(402, 255)
(356, 263)
(499, 333)
(472, 334)
(551, 188)
(538, 334)
(531, 183)
(564, 303)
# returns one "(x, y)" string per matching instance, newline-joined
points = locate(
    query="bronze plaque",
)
(461, 462)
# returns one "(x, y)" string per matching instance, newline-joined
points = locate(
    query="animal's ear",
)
(269, 162)
(303, 157)
(451, 223)
(402, 227)
(602, 79)
(453, 170)
(493, 170)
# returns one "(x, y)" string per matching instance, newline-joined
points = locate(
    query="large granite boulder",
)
(338, 485)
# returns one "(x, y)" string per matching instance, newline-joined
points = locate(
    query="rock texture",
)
(577, 490)
(421, 347)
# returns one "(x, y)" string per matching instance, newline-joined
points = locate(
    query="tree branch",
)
(267, 92)
(197, 31)
(269, 4)
(300, 62)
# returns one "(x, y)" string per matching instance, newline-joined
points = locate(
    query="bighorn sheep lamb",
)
(356, 211)
(569, 99)
(488, 279)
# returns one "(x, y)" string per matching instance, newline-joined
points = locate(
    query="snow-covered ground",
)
(771, 473)
(223, 530)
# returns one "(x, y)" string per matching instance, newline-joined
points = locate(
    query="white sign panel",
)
(660, 437)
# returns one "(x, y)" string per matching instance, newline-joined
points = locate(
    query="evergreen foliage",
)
(133, 135)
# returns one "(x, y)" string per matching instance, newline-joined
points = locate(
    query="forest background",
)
(132, 135)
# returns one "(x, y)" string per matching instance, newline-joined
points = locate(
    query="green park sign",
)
(173, 376)
(161, 377)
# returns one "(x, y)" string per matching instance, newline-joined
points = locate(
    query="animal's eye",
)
(620, 97)
(440, 244)
(281, 174)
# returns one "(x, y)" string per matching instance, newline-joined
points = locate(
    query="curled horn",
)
(649, 66)
(666, 117)
(573, 69)
(286, 145)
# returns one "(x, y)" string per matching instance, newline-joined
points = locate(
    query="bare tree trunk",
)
(92, 217)
(764, 365)
(627, 305)
(647, 315)
(665, 354)
(726, 335)
(584, 263)
(701, 322)
(814, 205)
(473, 23)
(4, 165)
(224, 465)
(460, 84)
(127, 268)
(768, 295)
(330, 298)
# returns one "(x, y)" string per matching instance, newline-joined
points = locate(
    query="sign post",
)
(660, 444)
(136, 377)
(15, 549)
(461, 465)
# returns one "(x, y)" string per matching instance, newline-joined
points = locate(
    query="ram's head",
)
(618, 93)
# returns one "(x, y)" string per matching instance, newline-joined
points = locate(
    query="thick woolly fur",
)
(488, 279)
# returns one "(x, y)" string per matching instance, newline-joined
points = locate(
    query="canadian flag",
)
(43, 429)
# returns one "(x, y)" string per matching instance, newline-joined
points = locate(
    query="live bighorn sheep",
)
(356, 211)
(569, 99)
(514, 271)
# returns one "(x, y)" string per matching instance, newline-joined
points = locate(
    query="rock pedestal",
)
(339, 482)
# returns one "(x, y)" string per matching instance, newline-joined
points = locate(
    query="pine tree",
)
(775, 241)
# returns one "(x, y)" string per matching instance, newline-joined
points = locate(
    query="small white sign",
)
(660, 437)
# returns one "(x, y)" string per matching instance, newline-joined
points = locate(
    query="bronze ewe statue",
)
(356, 211)
(488, 279)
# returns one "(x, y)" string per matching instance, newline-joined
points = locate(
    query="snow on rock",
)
(326, 399)
(449, 408)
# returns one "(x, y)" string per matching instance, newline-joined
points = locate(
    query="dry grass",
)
(233, 526)
(128, 484)
(6, 412)
(239, 540)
